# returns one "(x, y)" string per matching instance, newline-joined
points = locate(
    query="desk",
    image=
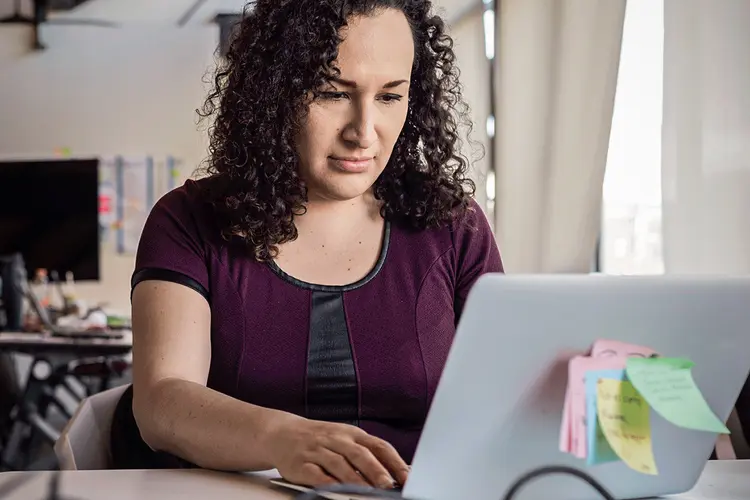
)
(43, 343)
(721, 480)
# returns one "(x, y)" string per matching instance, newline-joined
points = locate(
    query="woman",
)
(294, 308)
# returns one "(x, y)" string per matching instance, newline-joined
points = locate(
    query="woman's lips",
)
(352, 165)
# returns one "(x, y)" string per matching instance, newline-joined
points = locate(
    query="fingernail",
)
(386, 482)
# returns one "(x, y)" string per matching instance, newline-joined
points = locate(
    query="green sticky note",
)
(667, 385)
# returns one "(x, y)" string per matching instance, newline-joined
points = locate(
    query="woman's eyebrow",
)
(351, 84)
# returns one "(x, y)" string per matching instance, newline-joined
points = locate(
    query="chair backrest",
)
(84, 443)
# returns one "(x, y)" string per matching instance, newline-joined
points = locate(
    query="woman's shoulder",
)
(190, 197)
(472, 220)
(182, 225)
(469, 223)
(186, 206)
(466, 238)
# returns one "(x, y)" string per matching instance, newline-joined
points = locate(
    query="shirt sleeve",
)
(476, 253)
(171, 247)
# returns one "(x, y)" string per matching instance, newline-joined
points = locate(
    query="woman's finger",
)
(339, 467)
(365, 462)
(311, 475)
(386, 455)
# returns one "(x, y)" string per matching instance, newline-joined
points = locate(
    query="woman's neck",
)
(338, 243)
(332, 218)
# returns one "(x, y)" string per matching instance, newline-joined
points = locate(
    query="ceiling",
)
(127, 11)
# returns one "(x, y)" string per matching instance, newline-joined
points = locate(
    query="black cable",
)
(556, 469)
(12, 485)
(53, 490)
(53, 486)
(22, 478)
(512, 491)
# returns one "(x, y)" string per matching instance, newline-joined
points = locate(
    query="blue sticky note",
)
(598, 449)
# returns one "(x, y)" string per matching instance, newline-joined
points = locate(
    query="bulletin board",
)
(128, 189)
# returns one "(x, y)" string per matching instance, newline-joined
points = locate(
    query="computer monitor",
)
(49, 213)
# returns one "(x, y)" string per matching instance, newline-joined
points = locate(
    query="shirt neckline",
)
(340, 288)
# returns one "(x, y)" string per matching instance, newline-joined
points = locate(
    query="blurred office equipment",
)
(12, 276)
(40, 15)
(49, 213)
(228, 22)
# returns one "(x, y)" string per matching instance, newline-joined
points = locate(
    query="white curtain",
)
(557, 66)
(706, 137)
(468, 36)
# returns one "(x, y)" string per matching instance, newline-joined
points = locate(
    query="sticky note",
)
(565, 444)
(624, 418)
(577, 369)
(668, 386)
(598, 450)
(615, 348)
(604, 355)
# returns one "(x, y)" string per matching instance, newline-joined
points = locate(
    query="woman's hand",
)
(314, 453)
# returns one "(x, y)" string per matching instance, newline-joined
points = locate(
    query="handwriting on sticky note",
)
(624, 419)
(668, 386)
(598, 449)
(574, 430)
(577, 370)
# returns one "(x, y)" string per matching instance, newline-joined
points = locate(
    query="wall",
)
(98, 91)
(133, 90)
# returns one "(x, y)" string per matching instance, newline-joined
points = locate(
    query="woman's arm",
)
(476, 253)
(178, 414)
(174, 409)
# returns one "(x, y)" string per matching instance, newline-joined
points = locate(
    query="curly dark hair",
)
(283, 52)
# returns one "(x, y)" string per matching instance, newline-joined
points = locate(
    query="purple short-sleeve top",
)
(369, 353)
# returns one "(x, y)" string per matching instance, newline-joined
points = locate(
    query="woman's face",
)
(351, 129)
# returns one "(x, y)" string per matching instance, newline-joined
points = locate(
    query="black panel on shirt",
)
(332, 392)
(153, 273)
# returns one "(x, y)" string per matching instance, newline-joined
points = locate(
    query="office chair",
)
(84, 443)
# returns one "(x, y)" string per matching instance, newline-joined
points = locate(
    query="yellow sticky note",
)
(624, 419)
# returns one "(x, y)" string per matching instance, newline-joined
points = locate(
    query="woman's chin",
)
(344, 191)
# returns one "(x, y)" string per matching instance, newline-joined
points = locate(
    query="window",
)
(631, 227)
(488, 24)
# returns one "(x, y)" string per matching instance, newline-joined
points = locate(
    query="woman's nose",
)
(360, 131)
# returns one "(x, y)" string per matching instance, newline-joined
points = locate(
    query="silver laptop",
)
(497, 411)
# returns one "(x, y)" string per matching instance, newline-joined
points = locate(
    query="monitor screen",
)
(49, 212)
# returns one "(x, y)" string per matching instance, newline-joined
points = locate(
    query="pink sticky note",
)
(565, 425)
(605, 355)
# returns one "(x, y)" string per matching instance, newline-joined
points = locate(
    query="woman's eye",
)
(390, 98)
(333, 96)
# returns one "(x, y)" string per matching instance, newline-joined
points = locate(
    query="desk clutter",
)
(75, 351)
(609, 400)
